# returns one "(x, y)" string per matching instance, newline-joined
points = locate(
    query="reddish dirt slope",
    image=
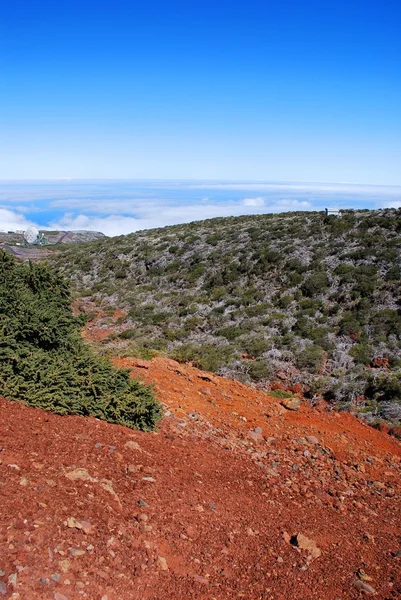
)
(206, 508)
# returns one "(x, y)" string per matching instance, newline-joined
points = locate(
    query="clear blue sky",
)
(294, 90)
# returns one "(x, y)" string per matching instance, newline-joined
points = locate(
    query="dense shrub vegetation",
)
(44, 362)
(315, 297)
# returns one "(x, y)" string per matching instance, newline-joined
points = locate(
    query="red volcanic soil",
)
(208, 507)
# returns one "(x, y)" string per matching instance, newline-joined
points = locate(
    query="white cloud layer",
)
(117, 208)
(11, 220)
(259, 201)
(151, 215)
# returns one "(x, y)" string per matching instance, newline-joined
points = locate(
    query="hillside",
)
(233, 497)
(314, 300)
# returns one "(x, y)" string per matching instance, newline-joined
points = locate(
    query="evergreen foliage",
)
(45, 363)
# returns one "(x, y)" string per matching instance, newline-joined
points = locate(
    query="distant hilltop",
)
(54, 237)
(14, 242)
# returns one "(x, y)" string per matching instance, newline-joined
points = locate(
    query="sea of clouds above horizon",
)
(117, 207)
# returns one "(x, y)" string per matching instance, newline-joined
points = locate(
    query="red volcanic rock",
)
(199, 509)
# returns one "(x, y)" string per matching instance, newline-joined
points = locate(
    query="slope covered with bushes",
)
(44, 362)
(314, 297)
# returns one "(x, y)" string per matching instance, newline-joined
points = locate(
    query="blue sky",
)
(278, 91)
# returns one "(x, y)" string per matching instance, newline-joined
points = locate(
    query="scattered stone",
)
(3, 588)
(13, 466)
(363, 587)
(2, 573)
(363, 576)
(291, 403)
(190, 531)
(12, 580)
(304, 543)
(201, 579)
(256, 435)
(65, 565)
(131, 445)
(162, 563)
(58, 596)
(76, 552)
(87, 527)
(72, 523)
(286, 537)
(80, 474)
(107, 485)
(55, 576)
(24, 481)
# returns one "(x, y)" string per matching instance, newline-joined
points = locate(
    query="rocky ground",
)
(235, 496)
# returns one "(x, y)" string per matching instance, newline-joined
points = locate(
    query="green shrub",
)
(45, 363)
(362, 353)
(207, 357)
(231, 333)
(311, 358)
(315, 284)
(259, 369)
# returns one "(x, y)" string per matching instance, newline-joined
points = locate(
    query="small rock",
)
(131, 445)
(76, 552)
(58, 596)
(80, 474)
(363, 576)
(363, 587)
(291, 403)
(87, 527)
(3, 588)
(12, 579)
(24, 481)
(142, 503)
(2, 573)
(72, 523)
(312, 439)
(65, 565)
(201, 579)
(162, 563)
(286, 537)
(301, 541)
(255, 435)
(55, 576)
(190, 531)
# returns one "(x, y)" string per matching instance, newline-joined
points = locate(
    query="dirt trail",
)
(208, 507)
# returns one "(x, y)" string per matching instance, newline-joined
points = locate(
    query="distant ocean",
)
(121, 206)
